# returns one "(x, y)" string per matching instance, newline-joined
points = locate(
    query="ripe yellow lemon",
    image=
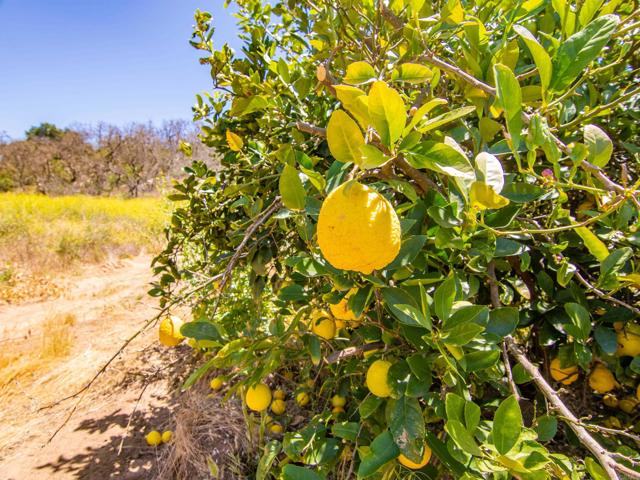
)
(169, 331)
(278, 406)
(279, 394)
(426, 456)
(167, 435)
(338, 401)
(216, 383)
(154, 438)
(566, 375)
(302, 399)
(628, 340)
(343, 314)
(276, 428)
(377, 381)
(322, 325)
(258, 397)
(358, 229)
(602, 380)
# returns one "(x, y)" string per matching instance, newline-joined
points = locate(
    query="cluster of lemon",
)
(601, 379)
(155, 438)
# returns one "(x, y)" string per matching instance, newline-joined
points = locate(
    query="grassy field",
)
(42, 236)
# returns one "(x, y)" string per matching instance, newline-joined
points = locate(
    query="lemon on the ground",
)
(628, 338)
(377, 378)
(276, 428)
(426, 456)
(358, 229)
(279, 394)
(169, 331)
(343, 314)
(322, 325)
(258, 397)
(337, 410)
(566, 375)
(216, 383)
(338, 401)
(167, 435)
(278, 406)
(302, 399)
(154, 438)
(601, 380)
(628, 404)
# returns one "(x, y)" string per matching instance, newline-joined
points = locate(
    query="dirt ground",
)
(102, 439)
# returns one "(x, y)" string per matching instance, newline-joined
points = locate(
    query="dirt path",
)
(103, 307)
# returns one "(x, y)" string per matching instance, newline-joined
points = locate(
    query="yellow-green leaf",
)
(354, 101)
(359, 73)
(631, 278)
(387, 113)
(234, 141)
(539, 54)
(485, 197)
(291, 189)
(595, 246)
(412, 73)
(422, 111)
(445, 118)
(488, 128)
(371, 157)
(344, 138)
(599, 144)
(510, 97)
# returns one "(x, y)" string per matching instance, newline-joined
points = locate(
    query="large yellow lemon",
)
(602, 380)
(169, 331)
(258, 397)
(566, 375)
(343, 314)
(628, 340)
(415, 466)
(322, 325)
(358, 229)
(377, 378)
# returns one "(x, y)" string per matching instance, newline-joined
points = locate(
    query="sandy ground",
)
(102, 439)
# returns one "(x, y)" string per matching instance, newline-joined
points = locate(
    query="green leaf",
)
(371, 157)
(595, 469)
(201, 330)
(607, 339)
(407, 427)
(382, 450)
(611, 265)
(522, 192)
(480, 360)
(462, 437)
(443, 298)
(344, 138)
(599, 145)
(271, 451)
(422, 111)
(509, 94)
(359, 73)
(508, 248)
(294, 472)
(347, 430)
(580, 319)
(291, 189)
(503, 321)
(246, 105)
(588, 11)
(454, 407)
(409, 250)
(445, 159)
(401, 305)
(507, 425)
(445, 118)
(387, 113)
(579, 50)
(369, 406)
(412, 73)
(595, 246)
(546, 428)
(539, 54)
(462, 334)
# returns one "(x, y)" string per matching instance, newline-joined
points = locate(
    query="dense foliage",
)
(504, 134)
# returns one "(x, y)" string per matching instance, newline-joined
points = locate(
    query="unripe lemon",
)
(216, 383)
(278, 406)
(279, 394)
(614, 422)
(628, 340)
(602, 380)
(426, 456)
(302, 399)
(566, 375)
(338, 401)
(628, 405)
(276, 428)
(258, 397)
(337, 410)
(154, 438)
(322, 325)
(358, 229)
(610, 401)
(169, 331)
(167, 435)
(377, 381)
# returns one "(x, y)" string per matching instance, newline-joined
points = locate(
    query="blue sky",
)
(85, 61)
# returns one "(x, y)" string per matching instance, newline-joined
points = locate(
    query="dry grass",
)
(208, 436)
(57, 336)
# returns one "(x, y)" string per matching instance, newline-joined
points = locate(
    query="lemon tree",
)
(421, 228)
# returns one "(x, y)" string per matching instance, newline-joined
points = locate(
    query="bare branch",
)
(335, 357)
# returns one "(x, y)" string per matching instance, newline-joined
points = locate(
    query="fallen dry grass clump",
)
(41, 237)
(210, 439)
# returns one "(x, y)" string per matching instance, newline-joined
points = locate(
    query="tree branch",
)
(335, 357)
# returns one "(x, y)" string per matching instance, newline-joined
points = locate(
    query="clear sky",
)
(85, 61)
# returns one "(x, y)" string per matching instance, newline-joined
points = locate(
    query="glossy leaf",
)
(291, 189)
(344, 138)
(539, 54)
(507, 425)
(387, 113)
(359, 73)
(510, 96)
(599, 145)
